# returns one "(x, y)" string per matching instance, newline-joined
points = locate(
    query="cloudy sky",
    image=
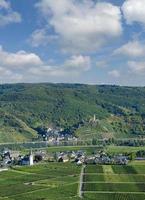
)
(83, 41)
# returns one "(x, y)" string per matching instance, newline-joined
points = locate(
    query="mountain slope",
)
(66, 105)
(13, 129)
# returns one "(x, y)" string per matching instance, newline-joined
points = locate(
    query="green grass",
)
(137, 162)
(114, 178)
(46, 181)
(63, 192)
(115, 196)
(88, 149)
(114, 182)
(124, 170)
(57, 181)
(115, 187)
(94, 169)
(123, 149)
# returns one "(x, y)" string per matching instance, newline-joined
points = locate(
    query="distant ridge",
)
(26, 106)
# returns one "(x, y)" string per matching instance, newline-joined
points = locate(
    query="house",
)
(14, 154)
(63, 158)
(90, 160)
(121, 160)
(27, 160)
(6, 161)
(72, 155)
(79, 162)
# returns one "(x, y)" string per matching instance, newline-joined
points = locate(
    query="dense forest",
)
(24, 108)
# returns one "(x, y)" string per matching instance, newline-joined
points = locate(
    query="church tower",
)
(31, 158)
(94, 119)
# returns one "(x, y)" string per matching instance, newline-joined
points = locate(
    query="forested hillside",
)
(120, 111)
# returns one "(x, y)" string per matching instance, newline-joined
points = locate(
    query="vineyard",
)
(48, 181)
(114, 182)
(57, 181)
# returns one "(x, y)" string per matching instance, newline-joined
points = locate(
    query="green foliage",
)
(26, 107)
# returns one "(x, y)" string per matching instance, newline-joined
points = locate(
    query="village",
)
(10, 158)
(56, 136)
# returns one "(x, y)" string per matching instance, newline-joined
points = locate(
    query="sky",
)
(73, 41)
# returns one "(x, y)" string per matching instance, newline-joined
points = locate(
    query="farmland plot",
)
(57, 181)
(108, 182)
(50, 181)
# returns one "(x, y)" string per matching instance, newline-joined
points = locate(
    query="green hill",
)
(13, 129)
(25, 107)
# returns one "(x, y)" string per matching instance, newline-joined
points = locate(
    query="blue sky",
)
(83, 41)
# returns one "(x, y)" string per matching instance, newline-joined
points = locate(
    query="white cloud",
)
(101, 64)
(81, 63)
(19, 59)
(114, 73)
(7, 15)
(131, 49)
(28, 67)
(82, 25)
(73, 66)
(4, 4)
(134, 11)
(137, 67)
(6, 75)
(4, 72)
(40, 37)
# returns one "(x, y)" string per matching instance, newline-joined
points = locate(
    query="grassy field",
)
(114, 182)
(51, 181)
(57, 181)
(88, 149)
(123, 149)
(91, 149)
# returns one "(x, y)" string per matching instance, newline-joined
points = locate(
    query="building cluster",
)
(56, 135)
(71, 156)
(104, 159)
(78, 157)
(8, 158)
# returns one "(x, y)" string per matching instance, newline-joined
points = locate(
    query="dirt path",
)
(81, 181)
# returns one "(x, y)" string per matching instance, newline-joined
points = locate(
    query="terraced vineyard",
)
(108, 182)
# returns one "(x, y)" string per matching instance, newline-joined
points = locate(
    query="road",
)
(53, 144)
(81, 182)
